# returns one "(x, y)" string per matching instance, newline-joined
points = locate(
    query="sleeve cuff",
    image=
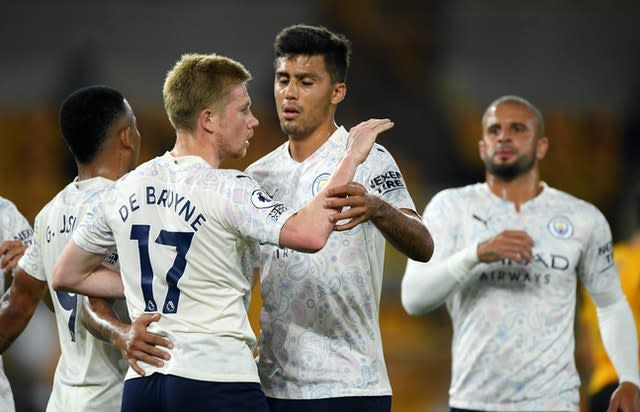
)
(461, 263)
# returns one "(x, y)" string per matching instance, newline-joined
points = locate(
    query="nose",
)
(254, 121)
(504, 135)
(291, 90)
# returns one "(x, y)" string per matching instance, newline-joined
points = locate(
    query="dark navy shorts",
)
(158, 393)
(343, 404)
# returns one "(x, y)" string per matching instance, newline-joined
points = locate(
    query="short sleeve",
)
(93, 234)
(254, 214)
(31, 262)
(385, 180)
(13, 225)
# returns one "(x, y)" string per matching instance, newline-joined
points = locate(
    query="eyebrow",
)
(298, 75)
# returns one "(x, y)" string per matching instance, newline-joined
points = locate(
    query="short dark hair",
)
(524, 102)
(85, 118)
(301, 39)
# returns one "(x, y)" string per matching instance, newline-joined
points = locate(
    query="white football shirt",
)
(13, 226)
(320, 334)
(181, 228)
(513, 341)
(90, 372)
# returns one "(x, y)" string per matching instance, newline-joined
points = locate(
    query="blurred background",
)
(431, 66)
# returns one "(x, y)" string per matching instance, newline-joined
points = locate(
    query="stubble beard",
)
(292, 130)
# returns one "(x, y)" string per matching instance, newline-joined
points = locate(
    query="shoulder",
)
(7, 206)
(573, 204)
(379, 153)
(460, 194)
(266, 161)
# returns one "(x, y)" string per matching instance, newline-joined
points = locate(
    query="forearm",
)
(426, 286)
(97, 315)
(81, 272)
(618, 332)
(406, 232)
(17, 306)
(309, 229)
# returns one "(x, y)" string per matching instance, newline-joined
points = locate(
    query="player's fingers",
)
(13, 262)
(154, 353)
(352, 213)
(134, 365)
(148, 358)
(342, 202)
(152, 339)
(350, 189)
(348, 225)
(149, 318)
(336, 203)
(383, 126)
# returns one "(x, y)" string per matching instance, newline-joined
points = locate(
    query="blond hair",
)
(198, 81)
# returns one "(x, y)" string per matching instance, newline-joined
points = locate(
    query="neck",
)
(301, 147)
(188, 144)
(518, 190)
(107, 164)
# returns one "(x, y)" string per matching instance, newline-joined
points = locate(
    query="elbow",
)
(411, 308)
(413, 298)
(415, 307)
(58, 281)
(425, 249)
(424, 252)
(314, 244)
(409, 300)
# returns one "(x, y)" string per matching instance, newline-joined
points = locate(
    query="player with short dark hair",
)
(100, 129)
(320, 343)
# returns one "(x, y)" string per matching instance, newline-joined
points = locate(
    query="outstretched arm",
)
(402, 228)
(79, 271)
(17, 306)
(309, 229)
(133, 340)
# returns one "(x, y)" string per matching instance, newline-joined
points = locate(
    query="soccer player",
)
(320, 344)
(99, 127)
(15, 235)
(508, 256)
(181, 225)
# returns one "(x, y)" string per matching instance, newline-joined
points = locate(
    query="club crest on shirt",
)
(261, 200)
(561, 227)
(319, 183)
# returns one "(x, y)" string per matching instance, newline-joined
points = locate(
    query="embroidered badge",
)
(261, 199)
(560, 227)
(319, 183)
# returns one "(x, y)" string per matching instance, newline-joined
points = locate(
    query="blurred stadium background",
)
(431, 66)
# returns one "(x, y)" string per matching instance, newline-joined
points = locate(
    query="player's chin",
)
(242, 152)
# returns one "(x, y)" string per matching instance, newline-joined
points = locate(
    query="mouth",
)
(290, 113)
(504, 153)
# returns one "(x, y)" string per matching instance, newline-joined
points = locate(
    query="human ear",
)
(482, 148)
(124, 135)
(207, 120)
(542, 146)
(339, 92)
